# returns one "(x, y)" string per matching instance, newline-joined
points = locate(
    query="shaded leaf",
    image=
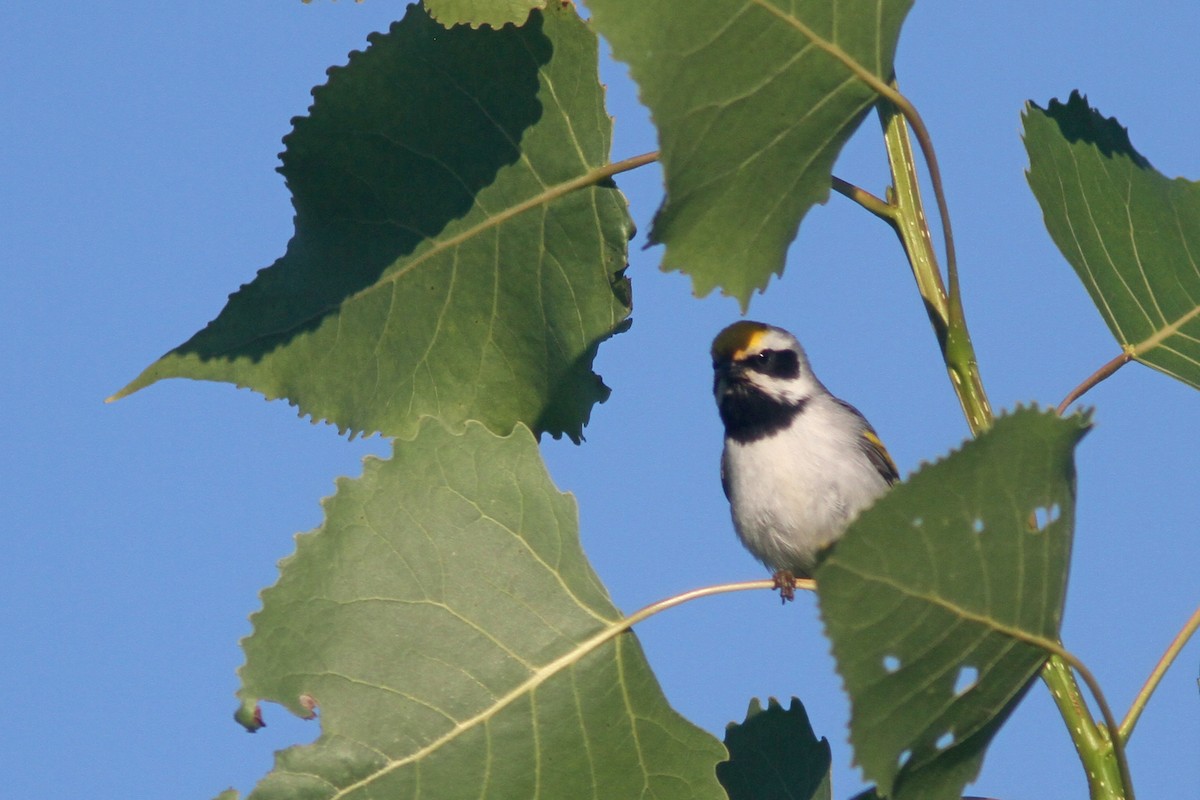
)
(482, 12)
(775, 754)
(751, 116)
(441, 265)
(447, 628)
(1131, 233)
(936, 598)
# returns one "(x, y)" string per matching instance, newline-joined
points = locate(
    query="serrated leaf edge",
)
(611, 631)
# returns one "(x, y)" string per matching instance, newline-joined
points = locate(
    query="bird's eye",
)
(760, 362)
(776, 363)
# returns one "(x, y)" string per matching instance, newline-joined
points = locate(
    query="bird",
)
(798, 463)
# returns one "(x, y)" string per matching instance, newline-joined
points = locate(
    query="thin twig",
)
(704, 591)
(633, 162)
(1156, 676)
(877, 206)
(1096, 377)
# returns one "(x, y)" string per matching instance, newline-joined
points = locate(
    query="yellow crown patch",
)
(739, 339)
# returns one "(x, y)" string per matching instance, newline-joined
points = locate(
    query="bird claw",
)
(785, 582)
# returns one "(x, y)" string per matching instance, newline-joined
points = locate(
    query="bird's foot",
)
(785, 582)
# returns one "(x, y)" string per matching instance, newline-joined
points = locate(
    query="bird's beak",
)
(725, 373)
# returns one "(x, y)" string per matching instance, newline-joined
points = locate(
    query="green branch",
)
(943, 305)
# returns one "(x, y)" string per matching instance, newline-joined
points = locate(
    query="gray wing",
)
(872, 447)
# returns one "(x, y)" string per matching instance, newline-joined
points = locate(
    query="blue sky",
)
(138, 189)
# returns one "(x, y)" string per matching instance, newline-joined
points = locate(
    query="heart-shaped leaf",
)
(454, 255)
(938, 595)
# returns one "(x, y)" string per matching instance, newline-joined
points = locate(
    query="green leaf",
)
(456, 643)
(454, 255)
(775, 754)
(482, 12)
(751, 114)
(939, 597)
(1131, 233)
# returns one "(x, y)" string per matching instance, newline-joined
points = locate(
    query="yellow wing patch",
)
(739, 339)
(880, 456)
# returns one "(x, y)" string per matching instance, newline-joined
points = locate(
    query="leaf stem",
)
(1156, 676)
(1096, 377)
(877, 206)
(704, 591)
(624, 165)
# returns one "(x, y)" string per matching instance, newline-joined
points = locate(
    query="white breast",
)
(796, 491)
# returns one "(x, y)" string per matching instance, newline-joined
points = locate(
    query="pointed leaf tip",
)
(445, 260)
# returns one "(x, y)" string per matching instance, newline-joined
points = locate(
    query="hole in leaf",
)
(944, 741)
(905, 757)
(891, 663)
(967, 678)
(977, 525)
(309, 703)
(1043, 516)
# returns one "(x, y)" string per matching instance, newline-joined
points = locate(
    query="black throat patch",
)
(749, 415)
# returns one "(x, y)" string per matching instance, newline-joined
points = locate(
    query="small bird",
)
(799, 464)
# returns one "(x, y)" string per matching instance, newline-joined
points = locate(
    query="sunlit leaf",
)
(482, 12)
(440, 265)
(1131, 233)
(751, 112)
(774, 755)
(936, 598)
(443, 623)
